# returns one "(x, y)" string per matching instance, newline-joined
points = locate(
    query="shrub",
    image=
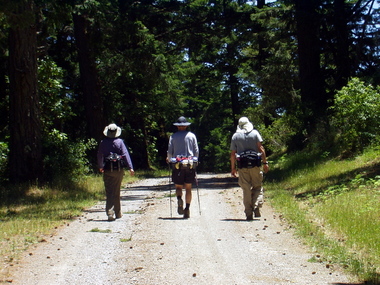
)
(4, 151)
(65, 161)
(356, 115)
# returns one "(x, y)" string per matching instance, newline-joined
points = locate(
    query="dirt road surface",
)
(152, 245)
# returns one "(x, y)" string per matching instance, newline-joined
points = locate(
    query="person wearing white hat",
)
(112, 157)
(249, 154)
(183, 147)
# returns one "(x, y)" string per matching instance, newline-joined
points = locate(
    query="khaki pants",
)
(112, 183)
(250, 180)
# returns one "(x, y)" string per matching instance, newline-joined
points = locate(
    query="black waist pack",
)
(249, 159)
(114, 162)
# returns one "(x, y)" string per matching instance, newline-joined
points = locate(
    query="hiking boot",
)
(111, 218)
(180, 207)
(257, 213)
(118, 216)
(250, 217)
(186, 214)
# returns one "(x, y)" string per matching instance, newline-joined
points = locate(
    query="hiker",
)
(183, 154)
(249, 154)
(112, 157)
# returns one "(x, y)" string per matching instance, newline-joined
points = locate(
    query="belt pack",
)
(249, 159)
(114, 162)
(180, 162)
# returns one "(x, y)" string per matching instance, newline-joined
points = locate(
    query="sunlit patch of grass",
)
(29, 213)
(334, 206)
(97, 230)
(39, 211)
(355, 216)
(126, 239)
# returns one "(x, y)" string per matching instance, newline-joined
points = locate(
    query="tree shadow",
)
(218, 183)
(240, 220)
(171, 218)
(342, 179)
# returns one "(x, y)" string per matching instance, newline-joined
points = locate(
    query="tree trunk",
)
(25, 158)
(313, 94)
(342, 58)
(89, 78)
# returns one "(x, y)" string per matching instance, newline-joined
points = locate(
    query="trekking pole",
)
(170, 193)
(199, 202)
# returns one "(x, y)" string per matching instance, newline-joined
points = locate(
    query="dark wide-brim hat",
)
(112, 131)
(181, 121)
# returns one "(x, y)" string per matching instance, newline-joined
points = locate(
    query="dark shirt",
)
(113, 145)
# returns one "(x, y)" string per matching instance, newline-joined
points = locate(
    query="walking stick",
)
(199, 202)
(170, 194)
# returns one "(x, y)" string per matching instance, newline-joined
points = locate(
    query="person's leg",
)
(257, 190)
(188, 197)
(188, 187)
(109, 184)
(178, 179)
(189, 180)
(178, 192)
(117, 203)
(245, 184)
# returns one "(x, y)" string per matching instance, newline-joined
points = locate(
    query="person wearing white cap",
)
(248, 153)
(112, 157)
(183, 146)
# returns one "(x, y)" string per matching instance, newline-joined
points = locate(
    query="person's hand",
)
(101, 170)
(234, 172)
(132, 172)
(266, 168)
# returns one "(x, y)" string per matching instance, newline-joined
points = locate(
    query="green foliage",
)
(65, 161)
(4, 151)
(356, 116)
(97, 230)
(333, 205)
(217, 154)
(278, 134)
(54, 98)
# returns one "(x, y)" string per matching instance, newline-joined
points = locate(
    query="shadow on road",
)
(132, 197)
(218, 183)
(172, 218)
(239, 220)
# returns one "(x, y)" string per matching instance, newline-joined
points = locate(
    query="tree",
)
(313, 93)
(90, 84)
(25, 159)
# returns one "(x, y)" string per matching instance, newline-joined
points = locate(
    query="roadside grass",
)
(334, 206)
(31, 213)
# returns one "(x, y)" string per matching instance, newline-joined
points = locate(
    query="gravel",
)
(152, 244)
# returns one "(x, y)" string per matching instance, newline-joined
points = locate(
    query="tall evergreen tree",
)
(25, 159)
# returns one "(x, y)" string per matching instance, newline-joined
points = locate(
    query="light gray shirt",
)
(183, 143)
(245, 141)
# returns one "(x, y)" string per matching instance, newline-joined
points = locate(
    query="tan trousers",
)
(112, 183)
(250, 180)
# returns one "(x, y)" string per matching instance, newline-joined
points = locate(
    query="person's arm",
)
(233, 163)
(170, 150)
(196, 148)
(263, 157)
(100, 158)
(127, 157)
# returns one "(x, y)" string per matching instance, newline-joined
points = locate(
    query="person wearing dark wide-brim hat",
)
(183, 146)
(112, 157)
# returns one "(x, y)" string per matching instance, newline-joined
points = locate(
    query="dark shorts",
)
(182, 176)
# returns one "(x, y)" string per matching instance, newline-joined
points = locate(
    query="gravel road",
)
(152, 245)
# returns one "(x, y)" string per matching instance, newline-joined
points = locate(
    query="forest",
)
(306, 73)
